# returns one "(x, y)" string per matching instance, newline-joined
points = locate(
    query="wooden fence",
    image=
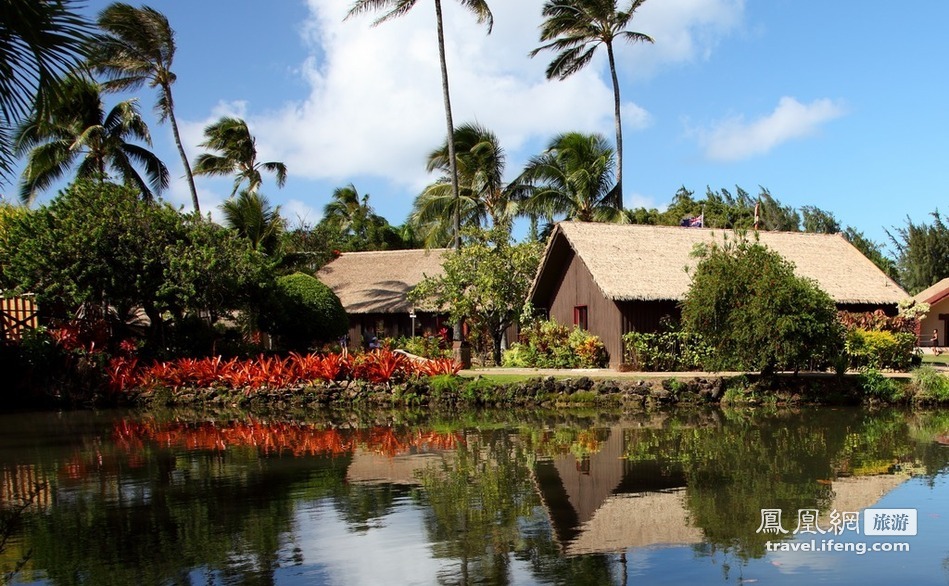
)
(16, 315)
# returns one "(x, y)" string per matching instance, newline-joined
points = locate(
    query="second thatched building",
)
(611, 279)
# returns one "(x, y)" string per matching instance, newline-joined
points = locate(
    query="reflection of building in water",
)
(605, 502)
(371, 467)
(24, 485)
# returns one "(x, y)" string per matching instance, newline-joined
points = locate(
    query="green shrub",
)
(548, 344)
(668, 350)
(425, 346)
(930, 385)
(879, 349)
(444, 384)
(877, 386)
(302, 311)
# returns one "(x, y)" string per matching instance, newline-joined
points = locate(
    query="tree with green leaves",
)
(922, 252)
(41, 41)
(137, 46)
(77, 131)
(301, 311)
(756, 314)
(237, 155)
(397, 8)
(252, 216)
(484, 283)
(574, 29)
(356, 224)
(484, 196)
(573, 177)
(139, 254)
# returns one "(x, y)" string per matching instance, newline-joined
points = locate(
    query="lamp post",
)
(412, 316)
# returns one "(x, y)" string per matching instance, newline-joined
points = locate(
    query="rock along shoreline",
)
(541, 391)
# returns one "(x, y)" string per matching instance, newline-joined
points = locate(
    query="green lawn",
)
(930, 358)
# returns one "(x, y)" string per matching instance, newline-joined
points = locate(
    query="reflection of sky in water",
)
(396, 550)
(924, 564)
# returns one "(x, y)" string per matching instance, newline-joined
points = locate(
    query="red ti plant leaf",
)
(383, 365)
(437, 366)
(333, 367)
(122, 374)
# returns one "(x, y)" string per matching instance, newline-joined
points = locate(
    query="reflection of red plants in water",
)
(278, 438)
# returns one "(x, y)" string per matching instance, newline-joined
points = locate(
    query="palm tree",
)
(574, 177)
(397, 8)
(346, 210)
(251, 215)
(138, 46)
(78, 128)
(484, 196)
(574, 29)
(358, 226)
(40, 42)
(231, 137)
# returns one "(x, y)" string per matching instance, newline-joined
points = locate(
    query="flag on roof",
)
(696, 222)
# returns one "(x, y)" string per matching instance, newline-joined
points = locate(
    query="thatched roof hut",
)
(649, 263)
(379, 281)
(615, 278)
(374, 286)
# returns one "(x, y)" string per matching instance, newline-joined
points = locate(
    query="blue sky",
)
(842, 105)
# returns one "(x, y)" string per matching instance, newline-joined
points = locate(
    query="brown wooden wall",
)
(646, 316)
(575, 287)
(16, 315)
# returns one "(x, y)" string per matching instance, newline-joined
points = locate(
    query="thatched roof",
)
(378, 282)
(647, 263)
(934, 294)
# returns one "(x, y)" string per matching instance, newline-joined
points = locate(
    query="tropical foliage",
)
(40, 42)
(548, 344)
(397, 8)
(355, 225)
(484, 283)
(252, 217)
(140, 254)
(301, 311)
(574, 29)
(235, 153)
(922, 252)
(77, 131)
(573, 177)
(756, 314)
(667, 350)
(484, 196)
(270, 372)
(137, 46)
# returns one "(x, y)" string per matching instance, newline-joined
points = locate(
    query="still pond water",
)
(176, 498)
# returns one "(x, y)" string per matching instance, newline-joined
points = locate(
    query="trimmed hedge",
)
(302, 311)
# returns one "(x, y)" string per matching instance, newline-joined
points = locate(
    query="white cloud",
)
(375, 104)
(735, 138)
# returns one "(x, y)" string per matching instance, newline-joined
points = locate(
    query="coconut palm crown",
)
(574, 29)
(79, 129)
(238, 155)
(573, 177)
(137, 46)
(396, 8)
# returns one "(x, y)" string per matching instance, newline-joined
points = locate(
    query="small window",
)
(580, 316)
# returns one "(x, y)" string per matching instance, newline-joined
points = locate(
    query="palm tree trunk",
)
(181, 151)
(452, 162)
(619, 130)
(458, 333)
